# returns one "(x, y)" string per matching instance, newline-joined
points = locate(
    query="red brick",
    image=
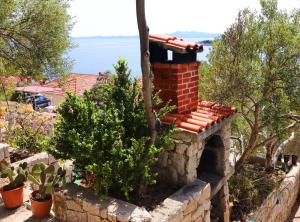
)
(187, 74)
(195, 78)
(182, 86)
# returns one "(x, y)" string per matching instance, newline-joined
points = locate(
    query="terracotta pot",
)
(12, 198)
(40, 209)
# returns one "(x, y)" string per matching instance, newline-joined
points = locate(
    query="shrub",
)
(249, 187)
(105, 132)
(25, 129)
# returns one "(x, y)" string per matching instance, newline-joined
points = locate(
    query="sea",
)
(92, 55)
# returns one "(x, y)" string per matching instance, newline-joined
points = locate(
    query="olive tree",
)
(34, 35)
(255, 66)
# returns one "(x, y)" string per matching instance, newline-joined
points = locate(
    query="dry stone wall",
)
(178, 165)
(76, 203)
(278, 205)
(189, 204)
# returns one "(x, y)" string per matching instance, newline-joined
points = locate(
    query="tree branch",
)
(145, 65)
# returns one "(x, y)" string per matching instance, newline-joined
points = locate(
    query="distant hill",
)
(194, 34)
(181, 34)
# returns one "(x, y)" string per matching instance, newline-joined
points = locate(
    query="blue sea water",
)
(94, 54)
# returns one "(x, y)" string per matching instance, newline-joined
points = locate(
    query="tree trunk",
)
(269, 154)
(145, 66)
(4, 92)
(282, 146)
(247, 152)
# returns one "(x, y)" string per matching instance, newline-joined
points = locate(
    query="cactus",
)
(17, 178)
(46, 179)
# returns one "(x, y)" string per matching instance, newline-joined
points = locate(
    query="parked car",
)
(38, 101)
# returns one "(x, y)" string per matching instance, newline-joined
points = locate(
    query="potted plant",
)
(12, 194)
(46, 179)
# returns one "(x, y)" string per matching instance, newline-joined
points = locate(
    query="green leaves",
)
(105, 135)
(30, 41)
(16, 180)
(254, 66)
(46, 179)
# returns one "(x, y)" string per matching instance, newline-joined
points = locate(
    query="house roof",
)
(15, 80)
(175, 44)
(77, 83)
(206, 115)
(37, 89)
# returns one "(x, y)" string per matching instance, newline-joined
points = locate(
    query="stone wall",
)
(189, 204)
(278, 205)
(178, 165)
(76, 203)
(4, 152)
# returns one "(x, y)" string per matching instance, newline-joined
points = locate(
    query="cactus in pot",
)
(12, 194)
(46, 179)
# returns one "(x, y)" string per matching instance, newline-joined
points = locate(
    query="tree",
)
(145, 66)
(34, 35)
(255, 65)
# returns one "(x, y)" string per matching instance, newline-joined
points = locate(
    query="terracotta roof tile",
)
(206, 115)
(76, 83)
(173, 42)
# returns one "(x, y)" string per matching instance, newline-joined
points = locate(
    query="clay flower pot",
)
(40, 209)
(12, 198)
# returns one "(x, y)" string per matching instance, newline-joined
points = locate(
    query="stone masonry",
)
(190, 203)
(178, 165)
(278, 205)
(76, 203)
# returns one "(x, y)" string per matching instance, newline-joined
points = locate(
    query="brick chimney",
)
(176, 78)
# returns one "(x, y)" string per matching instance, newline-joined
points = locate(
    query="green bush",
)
(105, 132)
(249, 187)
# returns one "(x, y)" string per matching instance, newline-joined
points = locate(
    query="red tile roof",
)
(76, 83)
(172, 42)
(206, 115)
(37, 89)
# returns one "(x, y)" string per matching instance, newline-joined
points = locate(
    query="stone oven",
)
(202, 150)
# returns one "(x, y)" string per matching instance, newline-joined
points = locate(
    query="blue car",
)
(39, 101)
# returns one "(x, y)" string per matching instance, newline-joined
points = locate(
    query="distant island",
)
(180, 34)
(194, 34)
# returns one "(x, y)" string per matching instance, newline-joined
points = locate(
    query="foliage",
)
(26, 129)
(248, 188)
(34, 35)
(15, 181)
(255, 66)
(47, 179)
(105, 132)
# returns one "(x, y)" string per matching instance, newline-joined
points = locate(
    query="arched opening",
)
(211, 170)
(212, 158)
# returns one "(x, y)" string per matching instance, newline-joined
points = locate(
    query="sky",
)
(118, 17)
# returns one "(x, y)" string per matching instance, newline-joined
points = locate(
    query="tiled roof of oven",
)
(176, 44)
(206, 115)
